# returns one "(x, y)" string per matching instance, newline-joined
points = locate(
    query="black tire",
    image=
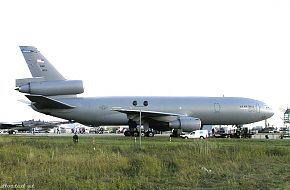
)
(127, 133)
(201, 138)
(11, 132)
(136, 134)
(186, 137)
(281, 137)
(150, 134)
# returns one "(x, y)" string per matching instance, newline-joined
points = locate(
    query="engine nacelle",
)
(53, 88)
(187, 124)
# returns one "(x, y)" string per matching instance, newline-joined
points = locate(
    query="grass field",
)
(118, 163)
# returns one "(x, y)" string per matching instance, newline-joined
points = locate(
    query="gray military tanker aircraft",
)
(52, 94)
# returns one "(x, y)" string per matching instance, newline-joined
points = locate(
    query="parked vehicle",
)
(198, 134)
(285, 134)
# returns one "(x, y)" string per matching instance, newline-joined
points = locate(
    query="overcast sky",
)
(168, 48)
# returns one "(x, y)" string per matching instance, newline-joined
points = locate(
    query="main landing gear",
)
(176, 133)
(135, 133)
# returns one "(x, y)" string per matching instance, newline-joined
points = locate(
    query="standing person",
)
(75, 138)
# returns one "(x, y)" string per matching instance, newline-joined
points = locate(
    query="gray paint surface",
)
(211, 110)
(98, 111)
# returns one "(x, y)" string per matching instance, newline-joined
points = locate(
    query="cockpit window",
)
(250, 108)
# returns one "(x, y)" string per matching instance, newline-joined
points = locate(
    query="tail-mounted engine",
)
(39, 86)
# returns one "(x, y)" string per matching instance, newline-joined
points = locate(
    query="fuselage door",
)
(217, 107)
(258, 108)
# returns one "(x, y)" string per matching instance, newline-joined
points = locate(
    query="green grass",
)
(118, 163)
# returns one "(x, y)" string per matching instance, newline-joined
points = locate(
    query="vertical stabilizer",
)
(38, 65)
(46, 81)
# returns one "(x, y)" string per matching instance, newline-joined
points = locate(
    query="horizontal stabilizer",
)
(43, 102)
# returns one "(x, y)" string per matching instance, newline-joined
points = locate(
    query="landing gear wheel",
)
(149, 134)
(136, 134)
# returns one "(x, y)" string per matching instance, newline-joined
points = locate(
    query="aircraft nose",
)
(267, 112)
(270, 113)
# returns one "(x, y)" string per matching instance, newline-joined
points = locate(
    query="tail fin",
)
(38, 65)
(46, 81)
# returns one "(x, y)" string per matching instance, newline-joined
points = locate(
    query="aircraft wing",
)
(147, 114)
(14, 126)
(9, 125)
(43, 102)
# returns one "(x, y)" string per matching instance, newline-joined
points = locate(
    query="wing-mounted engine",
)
(39, 86)
(164, 121)
(186, 123)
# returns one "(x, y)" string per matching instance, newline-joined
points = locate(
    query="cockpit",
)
(264, 110)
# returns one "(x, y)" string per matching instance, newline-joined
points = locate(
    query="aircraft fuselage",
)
(210, 110)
